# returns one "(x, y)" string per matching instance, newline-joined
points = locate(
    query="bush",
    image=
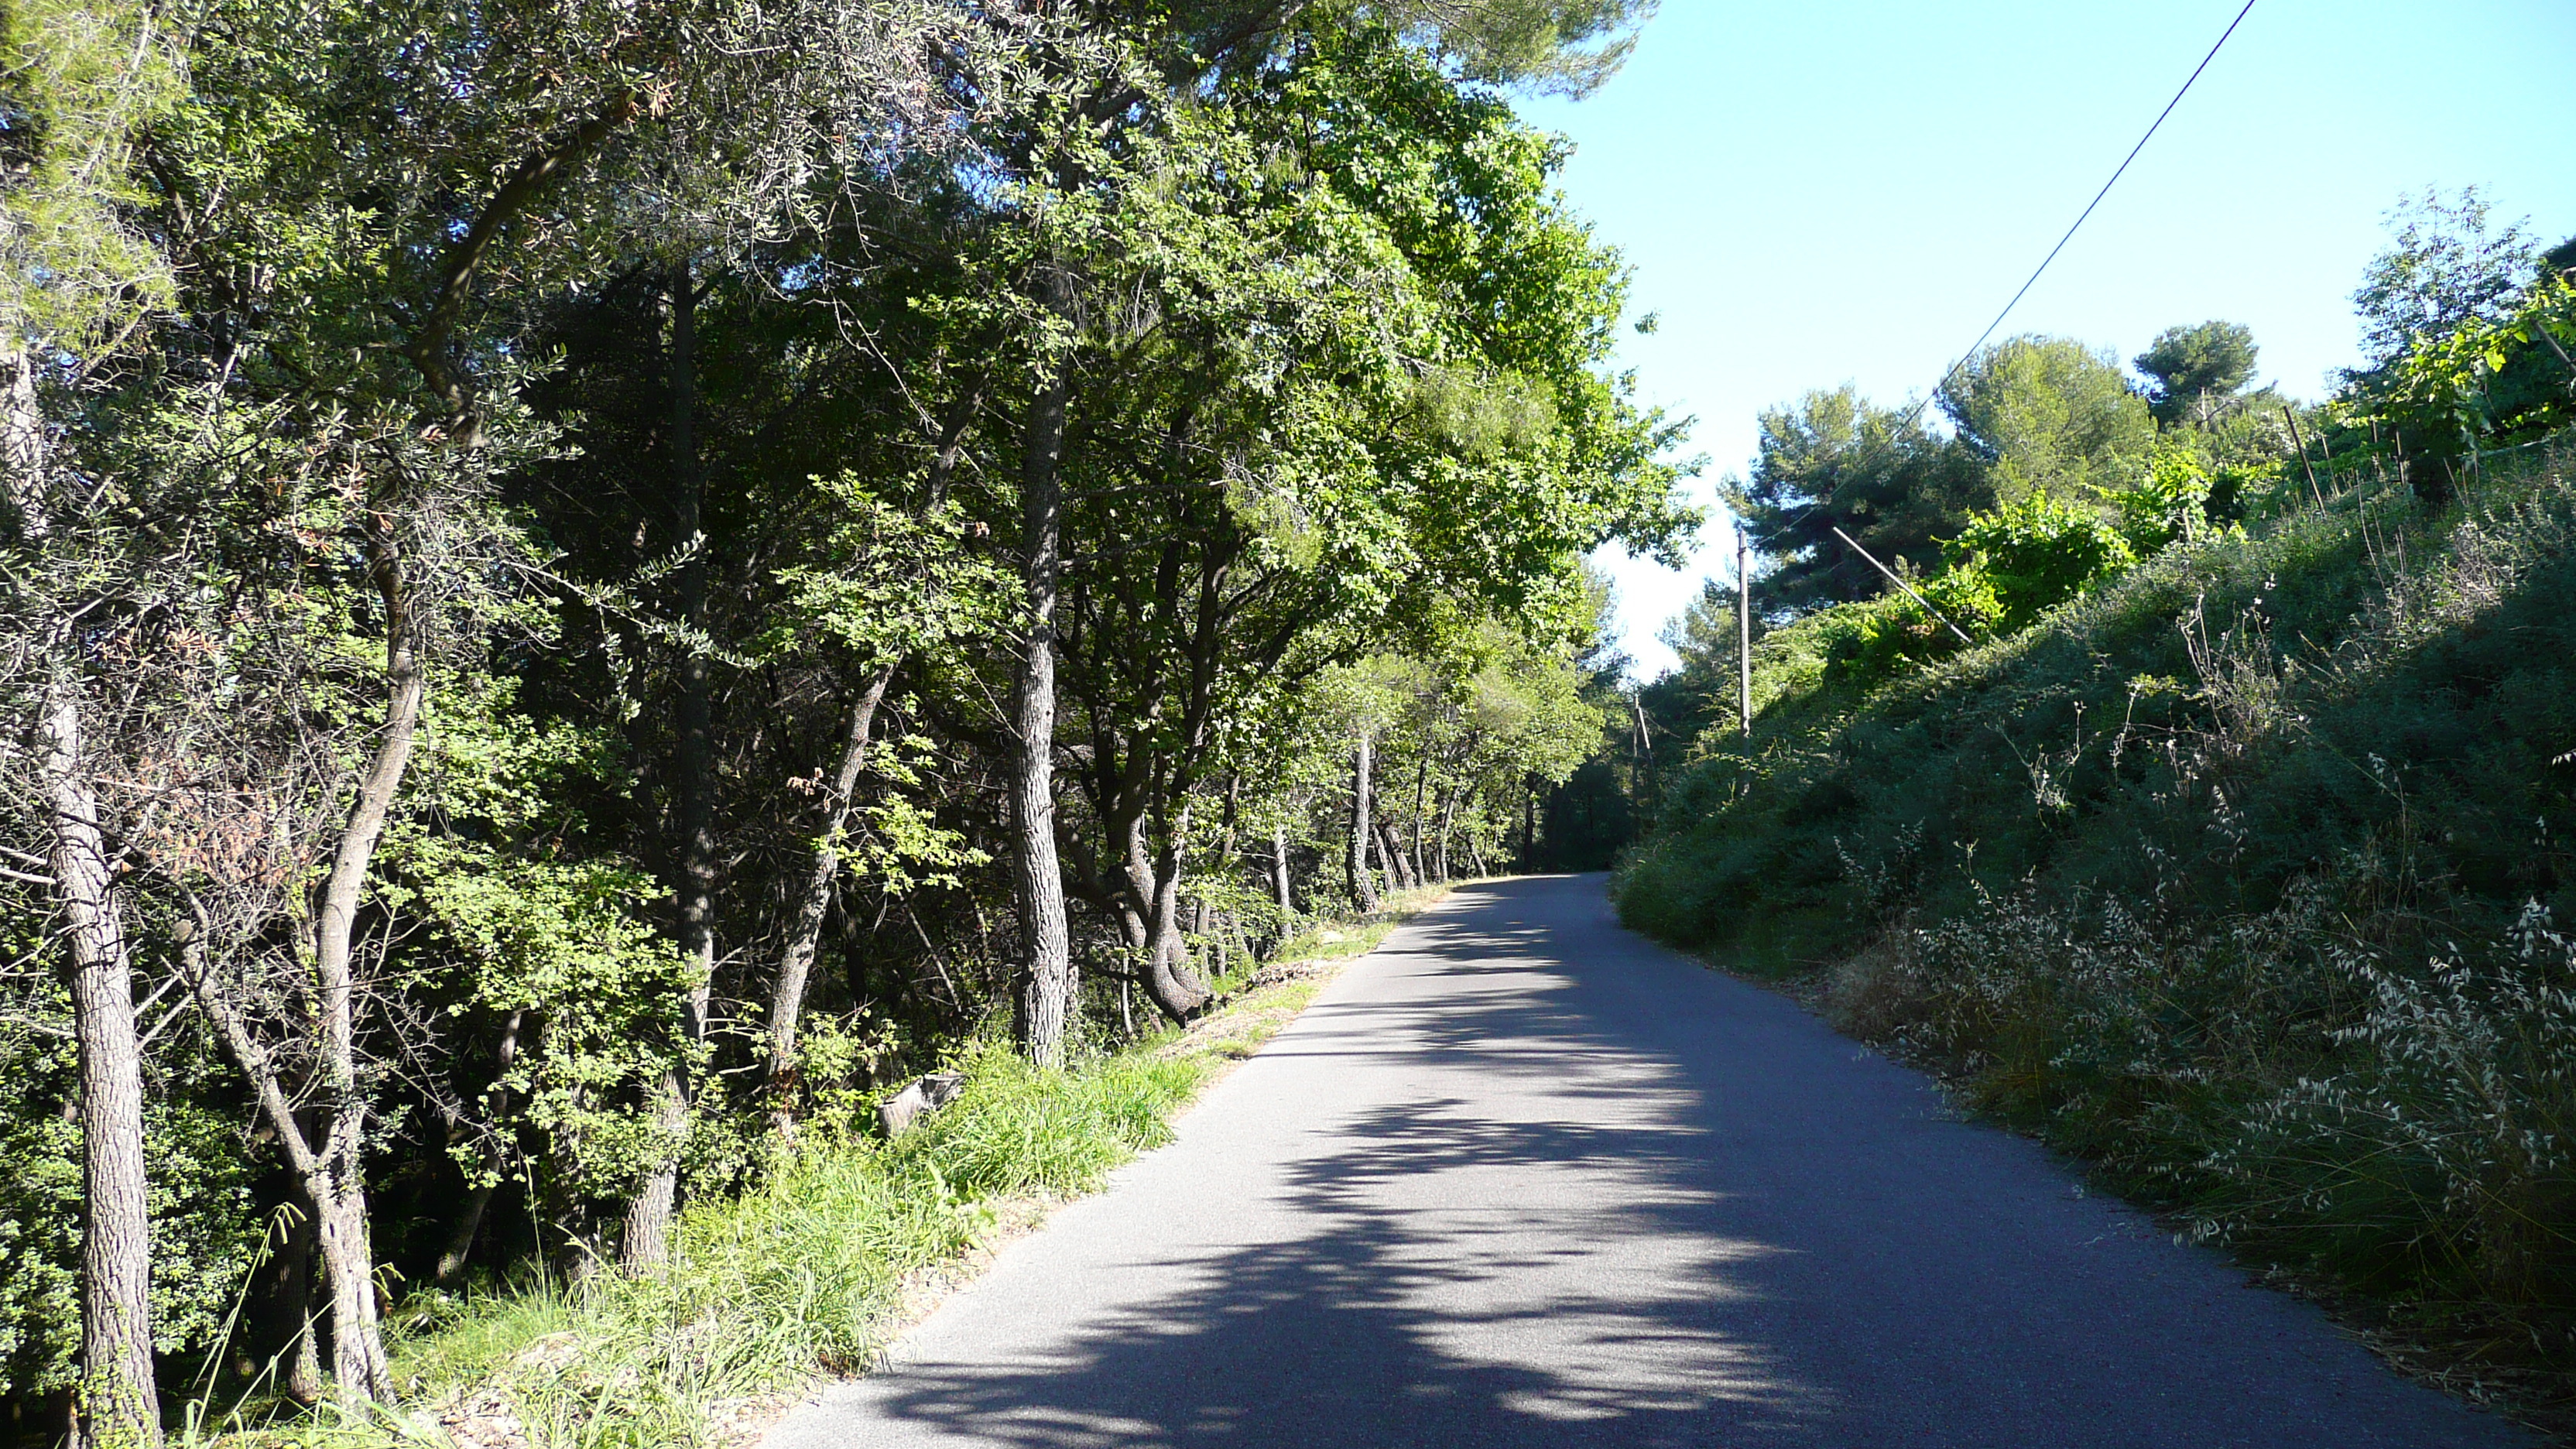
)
(2038, 552)
(2173, 878)
(802, 1273)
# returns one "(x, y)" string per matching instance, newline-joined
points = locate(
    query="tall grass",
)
(2239, 879)
(805, 1274)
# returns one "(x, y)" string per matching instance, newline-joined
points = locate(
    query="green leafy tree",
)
(2048, 413)
(2192, 371)
(1835, 460)
(2449, 264)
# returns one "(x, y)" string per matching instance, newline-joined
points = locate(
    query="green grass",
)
(2235, 879)
(803, 1274)
(813, 1269)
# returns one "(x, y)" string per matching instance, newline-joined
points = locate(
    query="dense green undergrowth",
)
(804, 1274)
(2239, 877)
(810, 1271)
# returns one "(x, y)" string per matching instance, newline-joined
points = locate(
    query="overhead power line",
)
(2089, 208)
(2087, 213)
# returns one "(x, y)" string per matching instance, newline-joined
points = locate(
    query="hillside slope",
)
(2236, 877)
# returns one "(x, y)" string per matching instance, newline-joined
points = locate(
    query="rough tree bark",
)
(1279, 878)
(119, 1401)
(1154, 879)
(304, 1381)
(1045, 992)
(796, 964)
(645, 1245)
(1391, 850)
(22, 442)
(1356, 866)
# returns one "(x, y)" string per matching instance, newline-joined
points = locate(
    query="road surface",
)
(1521, 1178)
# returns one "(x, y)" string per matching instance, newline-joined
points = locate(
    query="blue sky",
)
(1820, 191)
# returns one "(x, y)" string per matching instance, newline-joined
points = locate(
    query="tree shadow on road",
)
(1569, 1215)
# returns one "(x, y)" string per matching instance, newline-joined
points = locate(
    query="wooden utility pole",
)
(1743, 635)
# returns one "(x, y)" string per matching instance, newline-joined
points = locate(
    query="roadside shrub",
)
(2006, 568)
(2037, 552)
(2233, 875)
(803, 1271)
(1869, 643)
(2440, 1148)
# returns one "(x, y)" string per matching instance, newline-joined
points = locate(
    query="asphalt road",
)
(1521, 1178)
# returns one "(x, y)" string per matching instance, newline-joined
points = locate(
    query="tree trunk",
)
(644, 1243)
(1045, 994)
(1391, 849)
(1279, 879)
(22, 442)
(338, 1173)
(787, 1002)
(1448, 819)
(648, 1216)
(1356, 867)
(303, 1380)
(119, 1402)
(359, 1367)
(1421, 784)
(1154, 880)
(478, 1198)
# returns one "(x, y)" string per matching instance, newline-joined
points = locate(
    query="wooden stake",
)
(2293, 420)
(1743, 636)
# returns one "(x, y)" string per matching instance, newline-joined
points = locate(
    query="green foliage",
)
(1836, 460)
(663, 392)
(77, 79)
(2482, 379)
(2005, 569)
(39, 1215)
(2174, 877)
(2171, 503)
(2040, 550)
(2188, 369)
(2449, 266)
(205, 1222)
(572, 945)
(2048, 413)
(886, 582)
(800, 1274)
